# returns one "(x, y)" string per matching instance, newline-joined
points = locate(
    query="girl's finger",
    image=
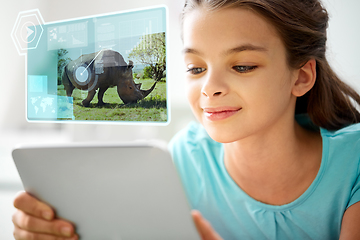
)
(20, 234)
(34, 225)
(204, 227)
(26, 203)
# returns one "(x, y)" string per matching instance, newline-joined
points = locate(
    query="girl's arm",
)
(350, 226)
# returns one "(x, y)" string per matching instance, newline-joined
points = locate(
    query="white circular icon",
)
(81, 74)
(28, 32)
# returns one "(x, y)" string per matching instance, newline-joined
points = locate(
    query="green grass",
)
(151, 108)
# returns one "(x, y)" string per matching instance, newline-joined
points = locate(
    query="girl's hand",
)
(35, 220)
(204, 227)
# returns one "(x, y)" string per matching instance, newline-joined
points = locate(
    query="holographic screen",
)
(100, 69)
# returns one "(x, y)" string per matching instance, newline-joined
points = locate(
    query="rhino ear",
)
(131, 64)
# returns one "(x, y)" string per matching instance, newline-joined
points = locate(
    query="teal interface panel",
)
(99, 69)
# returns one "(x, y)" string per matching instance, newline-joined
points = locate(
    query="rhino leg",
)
(69, 90)
(101, 95)
(90, 96)
(68, 86)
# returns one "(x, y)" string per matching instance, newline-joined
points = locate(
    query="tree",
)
(148, 72)
(151, 51)
(62, 61)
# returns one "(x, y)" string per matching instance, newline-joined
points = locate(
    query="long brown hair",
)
(302, 24)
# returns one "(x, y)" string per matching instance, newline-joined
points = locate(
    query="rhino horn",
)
(147, 92)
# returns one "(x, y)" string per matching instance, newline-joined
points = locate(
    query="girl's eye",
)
(244, 69)
(196, 70)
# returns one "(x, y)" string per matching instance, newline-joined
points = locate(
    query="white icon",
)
(81, 74)
(28, 29)
(52, 34)
(29, 32)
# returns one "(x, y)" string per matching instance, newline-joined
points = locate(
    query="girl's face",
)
(238, 80)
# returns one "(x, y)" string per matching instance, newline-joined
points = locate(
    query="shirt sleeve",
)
(355, 192)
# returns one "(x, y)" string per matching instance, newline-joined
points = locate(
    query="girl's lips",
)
(220, 113)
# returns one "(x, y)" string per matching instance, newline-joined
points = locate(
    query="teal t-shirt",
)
(316, 214)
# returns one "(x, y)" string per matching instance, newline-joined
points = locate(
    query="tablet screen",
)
(98, 69)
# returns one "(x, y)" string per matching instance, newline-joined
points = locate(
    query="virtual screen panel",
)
(100, 69)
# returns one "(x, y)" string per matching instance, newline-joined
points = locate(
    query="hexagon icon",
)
(27, 30)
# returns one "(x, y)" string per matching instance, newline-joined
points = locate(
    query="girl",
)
(276, 156)
(277, 152)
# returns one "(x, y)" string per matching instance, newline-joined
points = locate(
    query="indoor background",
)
(343, 54)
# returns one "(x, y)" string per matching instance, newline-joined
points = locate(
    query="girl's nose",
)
(214, 85)
(214, 94)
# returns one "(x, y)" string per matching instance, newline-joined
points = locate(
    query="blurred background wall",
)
(343, 53)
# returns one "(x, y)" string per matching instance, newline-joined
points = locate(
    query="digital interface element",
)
(27, 30)
(46, 106)
(82, 74)
(68, 36)
(99, 69)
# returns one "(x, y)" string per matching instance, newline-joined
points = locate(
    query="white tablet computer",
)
(114, 192)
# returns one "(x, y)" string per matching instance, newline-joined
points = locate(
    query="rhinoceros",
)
(101, 70)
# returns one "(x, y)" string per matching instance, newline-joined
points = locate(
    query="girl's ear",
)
(306, 77)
